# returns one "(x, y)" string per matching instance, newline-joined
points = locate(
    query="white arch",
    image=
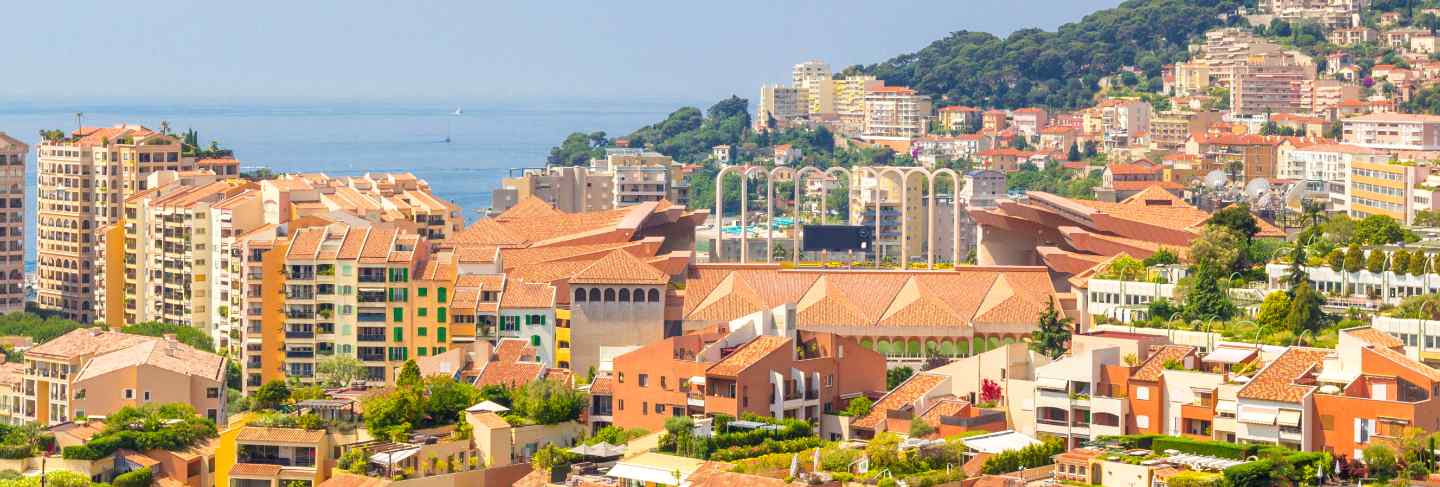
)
(955, 182)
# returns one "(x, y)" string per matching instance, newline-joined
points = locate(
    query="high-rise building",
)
(624, 177)
(84, 178)
(1399, 131)
(813, 77)
(850, 102)
(896, 111)
(780, 104)
(12, 223)
(1271, 83)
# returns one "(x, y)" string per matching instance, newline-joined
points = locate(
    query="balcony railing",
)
(371, 337)
(300, 353)
(299, 334)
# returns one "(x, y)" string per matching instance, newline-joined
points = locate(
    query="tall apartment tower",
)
(84, 180)
(12, 223)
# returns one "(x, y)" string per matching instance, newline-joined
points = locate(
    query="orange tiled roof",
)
(1402, 360)
(280, 435)
(619, 267)
(742, 358)
(521, 294)
(1375, 337)
(254, 470)
(914, 388)
(1277, 381)
(601, 386)
(510, 374)
(1153, 367)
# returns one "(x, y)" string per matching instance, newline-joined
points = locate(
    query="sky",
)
(469, 49)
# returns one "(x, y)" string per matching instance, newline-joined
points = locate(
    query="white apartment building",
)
(896, 111)
(1325, 169)
(1399, 131)
(1068, 399)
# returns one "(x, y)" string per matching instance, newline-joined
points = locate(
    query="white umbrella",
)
(794, 464)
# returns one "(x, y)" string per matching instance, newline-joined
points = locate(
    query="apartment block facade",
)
(624, 177)
(1399, 131)
(83, 179)
(896, 111)
(12, 223)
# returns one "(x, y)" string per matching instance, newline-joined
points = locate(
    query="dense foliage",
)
(1061, 69)
(171, 426)
(1052, 332)
(1029, 457)
(188, 335)
(31, 325)
(679, 437)
(417, 403)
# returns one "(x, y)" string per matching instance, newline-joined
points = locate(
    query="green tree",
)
(1418, 264)
(551, 456)
(446, 398)
(1305, 313)
(1354, 258)
(186, 334)
(1237, 217)
(1205, 299)
(1163, 256)
(271, 395)
(858, 407)
(1336, 260)
(1074, 155)
(1218, 247)
(1380, 462)
(1274, 309)
(547, 402)
(409, 375)
(1381, 230)
(1427, 218)
(1052, 332)
(920, 428)
(1400, 262)
(896, 376)
(339, 370)
(1375, 261)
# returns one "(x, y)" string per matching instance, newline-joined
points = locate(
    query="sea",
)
(486, 139)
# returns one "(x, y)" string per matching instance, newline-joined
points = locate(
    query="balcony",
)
(299, 334)
(295, 353)
(371, 357)
(370, 337)
(812, 394)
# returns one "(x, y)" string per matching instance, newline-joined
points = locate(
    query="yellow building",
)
(1383, 188)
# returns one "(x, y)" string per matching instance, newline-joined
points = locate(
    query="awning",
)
(643, 475)
(393, 457)
(1224, 406)
(1052, 383)
(1289, 417)
(699, 379)
(1257, 415)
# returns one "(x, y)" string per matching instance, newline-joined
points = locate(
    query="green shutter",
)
(440, 314)
(399, 334)
(398, 314)
(440, 334)
(421, 291)
(439, 294)
(535, 340)
(422, 331)
(421, 351)
(421, 312)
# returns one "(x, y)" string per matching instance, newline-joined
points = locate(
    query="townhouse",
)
(93, 372)
(761, 363)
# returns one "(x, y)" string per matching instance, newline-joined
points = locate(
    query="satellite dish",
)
(1295, 195)
(1216, 179)
(1256, 187)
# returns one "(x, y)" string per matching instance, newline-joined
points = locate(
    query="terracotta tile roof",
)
(510, 374)
(86, 342)
(732, 479)
(157, 352)
(747, 355)
(1277, 381)
(957, 298)
(914, 388)
(555, 374)
(343, 479)
(1142, 185)
(521, 294)
(944, 408)
(1375, 337)
(1402, 360)
(602, 386)
(513, 349)
(254, 470)
(280, 435)
(1152, 368)
(619, 267)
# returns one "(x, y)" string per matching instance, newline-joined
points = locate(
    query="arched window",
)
(595, 294)
(609, 295)
(639, 295)
(654, 296)
(579, 295)
(624, 295)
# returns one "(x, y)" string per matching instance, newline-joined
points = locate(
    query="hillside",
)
(1059, 69)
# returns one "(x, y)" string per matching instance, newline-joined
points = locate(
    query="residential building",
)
(1120, 181)
(1030, 121)
(779, 105)
(1324, 169)
(501, 444)
(12, 223)
(895, 112)
(1170, 130)
(1322, 97)
(850, 95)
(1059, 139)
(640, 176)
(1269, 82)
(571, 189)
(815, 79)
(982, 188)
(83, 178)
(995, 120)
(1384, 188)
(92, 372)
(1402, 131)
(785, 155)
(1083, 396)
(281, 457)
(904, 315)
(932, 148)
(761, 363)
(1350, 36)
(959, 119)
(1099, 292)
(1244, 157)
(895, 208)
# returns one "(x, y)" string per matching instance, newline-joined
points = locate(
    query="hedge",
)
(765, 448)
(17, 452)
(1030, 457)
(1252, 473)
(1217, 449)
(134, 478)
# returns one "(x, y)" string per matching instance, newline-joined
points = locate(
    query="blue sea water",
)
(351, 138)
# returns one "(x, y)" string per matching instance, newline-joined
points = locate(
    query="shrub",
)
(134, 478)
(165, 426)
(1192, 478)
(1029, 457)
(16, 452)
(1199, 447)
(1252, 473)
(765, 448)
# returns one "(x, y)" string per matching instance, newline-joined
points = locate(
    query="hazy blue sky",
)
(471, 49)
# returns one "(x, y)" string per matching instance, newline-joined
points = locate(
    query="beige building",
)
(624, 177)
(84, 178)
(12, 223)
(780, 104)
(896, 111)
(95, 373)
(899, 212)
(1170, 130)
(280, 457)
(850, 102)
(1270, 83)
(813, 77)
(1399, 131)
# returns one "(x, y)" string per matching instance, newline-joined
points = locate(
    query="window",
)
(659, 408)
(534, 340)
(398, 333)
(579, 295)
(422, 331)
(644, 378)
(440, 295)
(421, 351)
(621, 377)
(441, 314)
(663, 385)
(437, 350)
(644, 408)
(212, 392)
(1143, 394)
(440, 334)
(397, 314)
(421, 312)
(422, 291)
(1142, 421)
(147, 396)
(509, 323)
(129, 393)
(535, 319)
